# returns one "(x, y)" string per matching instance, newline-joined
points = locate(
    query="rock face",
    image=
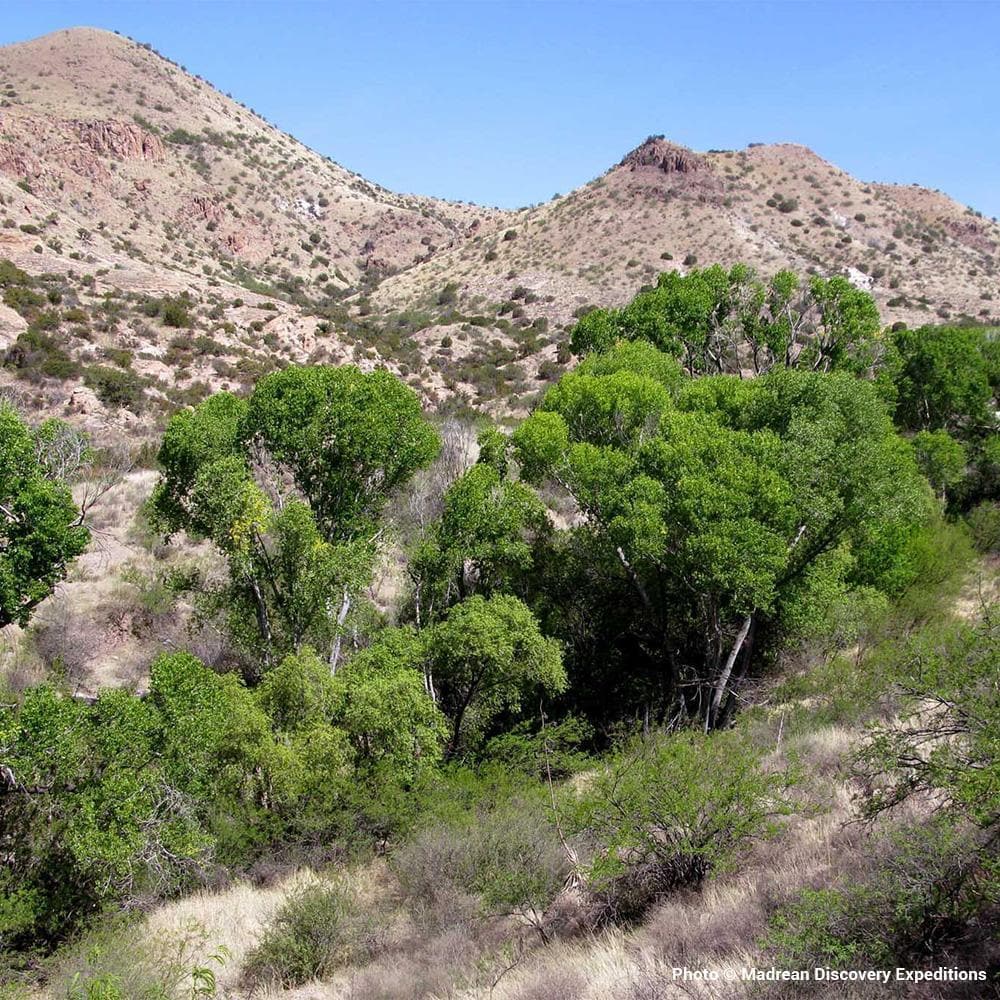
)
(671, 159)
(119, 140)
(15, 161)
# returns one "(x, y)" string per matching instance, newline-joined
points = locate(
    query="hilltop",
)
(123, 175)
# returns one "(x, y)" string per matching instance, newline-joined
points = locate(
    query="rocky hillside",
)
(924, 256)
(163, 232)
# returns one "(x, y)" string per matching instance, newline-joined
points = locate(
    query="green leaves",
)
(40, 527)
(488, 655)
(348, 438)
(716, 321)
(289, 486)
(714, 496)
(944, 380)
(669, 809)
(482, 543)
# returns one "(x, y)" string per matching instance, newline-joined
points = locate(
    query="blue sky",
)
(508, 103)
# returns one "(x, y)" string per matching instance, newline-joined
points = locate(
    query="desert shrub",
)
(182, 137)
(670, 809)
(448, 295)
(984, 522)
(174, 314)
(36, 353)
(318, 929)
(115, 387)
(923, 887)
(497, 857)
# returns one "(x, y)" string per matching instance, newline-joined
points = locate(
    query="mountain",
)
(126, 180)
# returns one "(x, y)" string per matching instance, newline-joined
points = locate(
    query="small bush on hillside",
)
(175, 314)
(317, 930)
(984, 522)
(36, 354)
(669, 810)
(926, 887)
(115, 387)
(499, 856)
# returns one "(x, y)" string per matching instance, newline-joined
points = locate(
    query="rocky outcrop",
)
(119, 140)
(15, 161)
(204, 208)
(971, 233)
(666, 156)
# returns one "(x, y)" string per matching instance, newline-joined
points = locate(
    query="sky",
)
(508, 103)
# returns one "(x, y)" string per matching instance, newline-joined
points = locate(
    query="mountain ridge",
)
(116, 162)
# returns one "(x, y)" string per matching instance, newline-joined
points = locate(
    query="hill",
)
(126, 180)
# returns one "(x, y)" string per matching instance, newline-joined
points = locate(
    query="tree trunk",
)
(345, 606)
(263, 619)
(723, 678)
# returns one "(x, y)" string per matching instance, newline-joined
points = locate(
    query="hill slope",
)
(130, 180)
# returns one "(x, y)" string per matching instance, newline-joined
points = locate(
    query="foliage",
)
(923, 888)
(41, 529)
(298, 558)
(117, 961)
(941, 458)
(114, 387)
(717, 321)
(946, 379)
(720, 503)
(671, 808)
(317, 930)
(946, 740)
(488, 655)
(349, 439)
(481, 544)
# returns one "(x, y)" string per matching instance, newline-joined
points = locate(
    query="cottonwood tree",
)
(717, 321)
(290, 485)
(483, 542)
(41, 528)
(719, 502)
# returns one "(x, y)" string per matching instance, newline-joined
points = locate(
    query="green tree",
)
(942, 460)
(716, 500)
(41, 529)
(348, 438)
(481, 544)
(89, 814)
(944, 380)
(717, 321)
(289, 485)
(488, 655)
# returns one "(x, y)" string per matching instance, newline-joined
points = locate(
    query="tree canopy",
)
(41, 528)
(289, 485)
(717, 321)
(722, 500)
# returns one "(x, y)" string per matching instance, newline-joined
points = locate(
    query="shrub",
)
(317, 930)
(498, 859)
(116, 961)
(175, 314)
(448, 295)
(984, 521)
(924, 889)
(37, 353)
(669, 810)
(115, 387)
